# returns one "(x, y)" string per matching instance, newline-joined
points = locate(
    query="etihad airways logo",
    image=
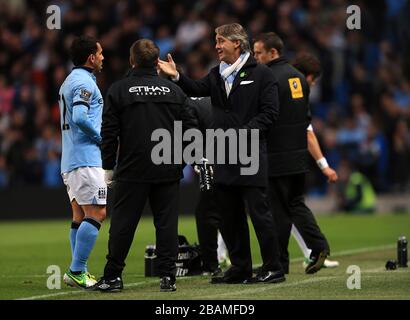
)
(149, 90)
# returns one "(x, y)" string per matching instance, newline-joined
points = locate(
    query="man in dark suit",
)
(244, 96)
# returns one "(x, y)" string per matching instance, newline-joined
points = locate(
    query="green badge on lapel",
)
(242, 74)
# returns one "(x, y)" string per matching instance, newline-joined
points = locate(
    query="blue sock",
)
(73, 235)
(86, 235)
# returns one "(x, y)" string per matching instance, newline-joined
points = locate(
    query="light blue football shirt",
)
(79, 149)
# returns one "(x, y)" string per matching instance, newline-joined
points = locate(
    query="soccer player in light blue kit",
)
(81, 105)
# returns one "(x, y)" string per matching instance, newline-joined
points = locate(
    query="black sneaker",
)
(231, 276)
(267, 277)
(316, 262)
(167, 284)
(217, 272)
(109, 285)
(214, 273)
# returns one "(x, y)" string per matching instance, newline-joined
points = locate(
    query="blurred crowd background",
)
(361, 105)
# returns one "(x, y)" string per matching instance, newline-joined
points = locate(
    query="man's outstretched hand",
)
(167, 68)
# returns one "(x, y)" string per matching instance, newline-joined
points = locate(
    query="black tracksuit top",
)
(287, 138)
(134, 107)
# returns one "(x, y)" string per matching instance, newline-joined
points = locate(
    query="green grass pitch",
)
(27, 248)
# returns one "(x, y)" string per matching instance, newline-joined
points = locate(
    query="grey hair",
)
(233, 32)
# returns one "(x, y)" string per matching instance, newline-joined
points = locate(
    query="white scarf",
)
(229, 71)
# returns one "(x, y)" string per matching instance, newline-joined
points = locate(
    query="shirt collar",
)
(279, 60)
(143, 71)
(88, 69)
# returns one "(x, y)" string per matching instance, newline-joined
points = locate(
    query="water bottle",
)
(150, 257)
(402, 252)
(205, 175)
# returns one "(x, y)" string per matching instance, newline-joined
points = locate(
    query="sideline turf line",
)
(136, 284)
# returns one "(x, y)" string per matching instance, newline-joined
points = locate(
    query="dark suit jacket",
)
(251, 104)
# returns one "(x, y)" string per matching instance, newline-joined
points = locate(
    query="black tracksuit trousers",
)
(128, 204)
(208, 222)
(234, 202)
(286, 195)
